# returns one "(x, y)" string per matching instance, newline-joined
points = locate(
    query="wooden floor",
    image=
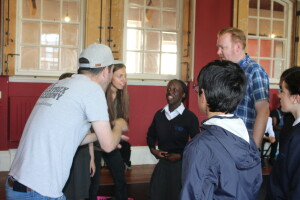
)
(138, 179)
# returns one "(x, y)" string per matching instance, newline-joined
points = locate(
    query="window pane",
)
(70, 34)
(278, 11)
(133, 62)
(253, 12)
(50, 34)
(253, 4)
(152, 18)
(252, 27)
(278, 68)
(152, 40)
(278, 29)
(279, 47)
(266, 65)
(30, 33)
(30, 58)
(253, 47)
(168, 64)
(152, 31)
(153, 3)
(264, 27)
(265, 8)
(169, 42)
(170, 4)
(51, 10)
(69, 59)
(137, 2)
(265, 48)
(169, 20)
(72, 9)
(31, 9)
(151, 63)
(135, 17)
(134, 39)
(49, 58)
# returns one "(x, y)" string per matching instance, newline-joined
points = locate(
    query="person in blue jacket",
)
(284, 182)
(222, 162)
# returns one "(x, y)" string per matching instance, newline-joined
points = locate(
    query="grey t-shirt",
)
(58, 123)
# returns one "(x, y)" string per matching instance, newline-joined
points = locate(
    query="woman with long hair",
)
(118, 107)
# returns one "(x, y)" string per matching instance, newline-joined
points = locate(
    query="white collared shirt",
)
(175, 113)
(296, 121)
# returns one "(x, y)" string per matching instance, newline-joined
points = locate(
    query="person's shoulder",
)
(202, 142)
(205, 136)
(189, 112)
(159, 112)
(256, 67)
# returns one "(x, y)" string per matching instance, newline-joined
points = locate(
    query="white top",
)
(175, 113)
(296, 121)
(235, 126)
(58, 123)
(269, 128)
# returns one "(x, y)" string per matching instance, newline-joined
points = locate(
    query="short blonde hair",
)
(237, 35)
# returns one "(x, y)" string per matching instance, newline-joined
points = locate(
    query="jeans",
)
(14, 195)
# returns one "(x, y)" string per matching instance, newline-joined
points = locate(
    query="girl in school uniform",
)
(284, 182)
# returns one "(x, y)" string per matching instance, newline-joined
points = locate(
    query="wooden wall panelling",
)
(8, 61)
(105, 24)
(92, 34)
(240, 19)
(186, 57)
(116, 33)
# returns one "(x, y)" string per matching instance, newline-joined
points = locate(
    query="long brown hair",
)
(122, 99)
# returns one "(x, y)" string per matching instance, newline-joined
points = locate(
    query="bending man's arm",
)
(89, 138)
(107, 137)
(262, 114)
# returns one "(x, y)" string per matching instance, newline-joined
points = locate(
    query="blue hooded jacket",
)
(222, 162)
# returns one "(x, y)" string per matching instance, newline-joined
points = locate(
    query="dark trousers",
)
(116, 167)
(95, 180)
(115, 164)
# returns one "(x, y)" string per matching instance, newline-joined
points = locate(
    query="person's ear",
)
(238, 46)
(296, 99)
(202, 96)
(105, 71)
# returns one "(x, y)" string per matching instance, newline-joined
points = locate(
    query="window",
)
(47, 42)
(269, 35)
(152, 44)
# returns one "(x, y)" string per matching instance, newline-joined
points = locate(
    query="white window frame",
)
(155, 77)
(46, 73)
(288, 18)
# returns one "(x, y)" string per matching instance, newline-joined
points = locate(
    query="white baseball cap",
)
(98, 55)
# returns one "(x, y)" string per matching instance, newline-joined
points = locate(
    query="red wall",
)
(211, 16)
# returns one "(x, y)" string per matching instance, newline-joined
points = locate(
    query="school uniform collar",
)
(175, 113)
(296, 121)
